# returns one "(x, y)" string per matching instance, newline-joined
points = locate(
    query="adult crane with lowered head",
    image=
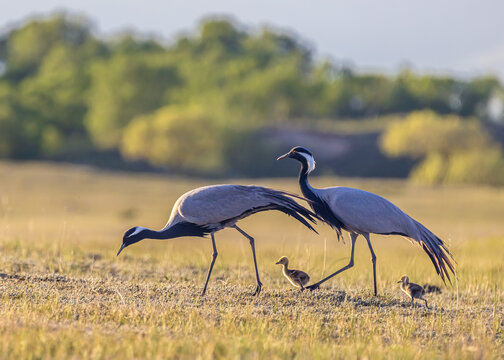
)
(206, 210)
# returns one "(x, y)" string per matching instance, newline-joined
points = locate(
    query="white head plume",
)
(310, 160)
(137, 230)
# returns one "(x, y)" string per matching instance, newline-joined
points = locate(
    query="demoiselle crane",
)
(206, 210)
(362, 213)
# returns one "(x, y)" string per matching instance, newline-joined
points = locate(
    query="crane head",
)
(131, 236)
(301, 154)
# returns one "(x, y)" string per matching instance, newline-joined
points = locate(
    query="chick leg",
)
(425, 302)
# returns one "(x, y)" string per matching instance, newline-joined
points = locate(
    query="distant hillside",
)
(355, 155)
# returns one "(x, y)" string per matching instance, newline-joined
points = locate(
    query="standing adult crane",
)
(209, 209)
(362, 213)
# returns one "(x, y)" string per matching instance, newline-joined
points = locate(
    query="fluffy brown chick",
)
(414, 291)
(297, 278)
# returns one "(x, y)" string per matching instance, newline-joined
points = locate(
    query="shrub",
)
(451, 149)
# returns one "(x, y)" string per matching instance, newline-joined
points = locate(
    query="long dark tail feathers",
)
(438, 253)
(329, 217)
(289, 194)
(298, 217)
(283, 202)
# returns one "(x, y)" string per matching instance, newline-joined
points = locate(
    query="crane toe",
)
(257, 290)
(313, 287)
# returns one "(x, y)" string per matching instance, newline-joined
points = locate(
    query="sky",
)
(463, 38)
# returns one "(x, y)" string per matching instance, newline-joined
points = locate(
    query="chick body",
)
(414, 291)
(297, 278)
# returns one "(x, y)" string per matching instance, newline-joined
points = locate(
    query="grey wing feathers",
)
(361, 211)
(221, 203)
(282, 202)
(214, 204)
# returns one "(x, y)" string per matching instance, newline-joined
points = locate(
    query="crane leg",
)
(252, 245)
(353, 237)
(373, 259)
(214, 256)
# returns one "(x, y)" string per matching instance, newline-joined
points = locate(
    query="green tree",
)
(28, 44)
(46, 65)
(57, 90)
(20, 127)
(122, 88)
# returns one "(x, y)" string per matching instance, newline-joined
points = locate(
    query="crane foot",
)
(257, 290)
(313, 287)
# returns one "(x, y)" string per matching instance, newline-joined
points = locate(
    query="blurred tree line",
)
(65, 91)
(450, 149)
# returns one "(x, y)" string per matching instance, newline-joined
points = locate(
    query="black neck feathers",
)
(177, 230)
(319, 206)
(306, 189)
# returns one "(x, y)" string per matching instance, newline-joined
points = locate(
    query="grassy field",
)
(64, 294)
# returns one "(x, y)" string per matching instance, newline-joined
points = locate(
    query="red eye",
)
(294, 151)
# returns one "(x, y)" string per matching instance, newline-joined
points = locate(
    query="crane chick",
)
(414, 291)
(297, 278)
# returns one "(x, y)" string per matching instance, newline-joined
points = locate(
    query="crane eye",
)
(294, 151)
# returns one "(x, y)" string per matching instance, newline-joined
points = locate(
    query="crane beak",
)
(283, 156)
(121, 249)
(278, 262)
(400, 281)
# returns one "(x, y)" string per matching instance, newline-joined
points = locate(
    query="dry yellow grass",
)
(64, 294)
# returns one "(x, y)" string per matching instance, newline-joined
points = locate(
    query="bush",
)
(423, 132)
(175, 137)
(450, 149)
(477, 166)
